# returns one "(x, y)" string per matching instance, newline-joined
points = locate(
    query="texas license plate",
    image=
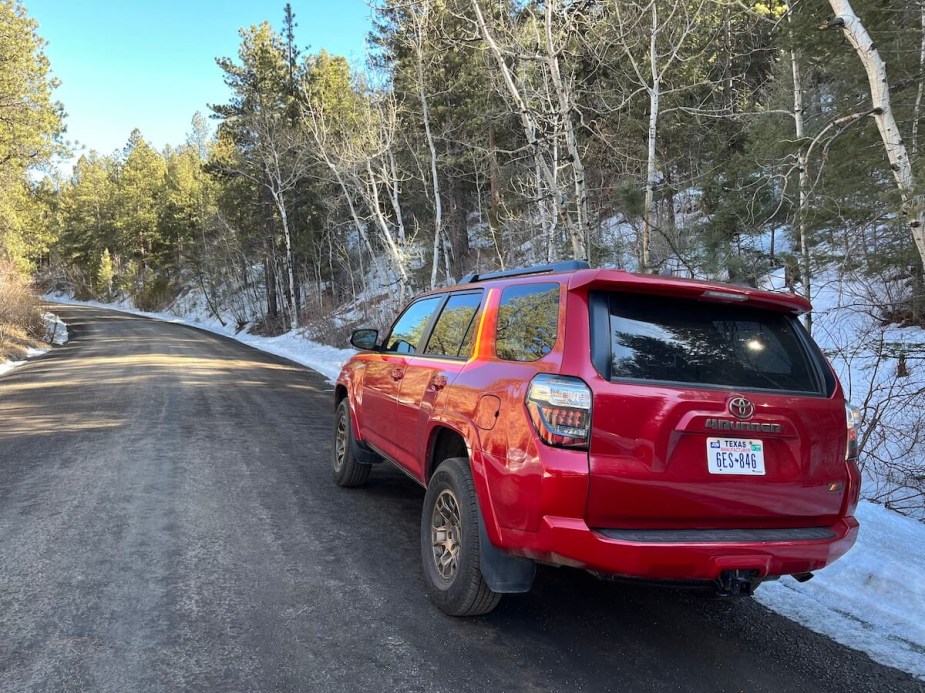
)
(735, 456)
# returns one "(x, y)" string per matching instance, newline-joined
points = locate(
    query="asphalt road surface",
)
(168, 522)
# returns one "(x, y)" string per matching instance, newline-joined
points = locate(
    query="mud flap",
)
(363, 454)
(503, 573)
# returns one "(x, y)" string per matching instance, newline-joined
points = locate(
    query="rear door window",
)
(452, 333)
(408, 331)
(528, 320)
(682, 341)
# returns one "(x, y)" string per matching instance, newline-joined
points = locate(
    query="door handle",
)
(439, 382)
(398, 373)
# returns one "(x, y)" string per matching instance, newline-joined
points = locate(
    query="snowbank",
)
(873, 599)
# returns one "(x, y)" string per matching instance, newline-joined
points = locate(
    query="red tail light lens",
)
(560, 409)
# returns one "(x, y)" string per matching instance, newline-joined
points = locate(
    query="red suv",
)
(630, 425)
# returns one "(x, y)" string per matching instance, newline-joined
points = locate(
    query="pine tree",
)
(30, 125)
(105, 275)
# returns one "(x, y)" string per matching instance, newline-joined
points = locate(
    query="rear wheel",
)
(450, 543)
(345, 468)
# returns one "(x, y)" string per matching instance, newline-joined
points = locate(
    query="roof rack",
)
(564, 266)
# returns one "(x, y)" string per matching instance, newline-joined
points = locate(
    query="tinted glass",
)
(407, 333)
(528, 320)
(449, 334)
(675, 340)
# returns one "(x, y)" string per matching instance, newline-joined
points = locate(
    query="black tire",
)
(452, 572)
(345, 469)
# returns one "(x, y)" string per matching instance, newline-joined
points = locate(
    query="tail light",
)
(853, 416)
(560, 408)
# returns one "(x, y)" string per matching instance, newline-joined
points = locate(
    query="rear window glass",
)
(528, 319)
(451, 335)
(682, 341)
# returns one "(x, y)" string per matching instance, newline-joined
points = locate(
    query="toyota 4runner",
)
(630, 425)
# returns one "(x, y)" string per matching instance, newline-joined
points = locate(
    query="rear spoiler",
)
(714, 292)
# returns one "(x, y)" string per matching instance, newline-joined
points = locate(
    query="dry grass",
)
(21, 324)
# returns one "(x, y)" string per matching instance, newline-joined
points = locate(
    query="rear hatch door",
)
(711, 415)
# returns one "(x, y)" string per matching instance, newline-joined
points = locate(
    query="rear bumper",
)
(569, 541)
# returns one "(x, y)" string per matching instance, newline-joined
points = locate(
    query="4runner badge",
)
(750, 426)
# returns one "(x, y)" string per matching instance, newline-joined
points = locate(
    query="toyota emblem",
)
(741, 408)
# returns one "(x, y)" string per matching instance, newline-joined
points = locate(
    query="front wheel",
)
(346, 470)
(450, 543)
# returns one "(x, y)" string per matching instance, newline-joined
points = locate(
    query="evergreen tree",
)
(30, 126)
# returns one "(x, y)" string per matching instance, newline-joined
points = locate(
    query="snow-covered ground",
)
(873, 599)
(6, 366)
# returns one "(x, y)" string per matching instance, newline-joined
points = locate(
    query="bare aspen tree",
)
(377, 124)
(279, 157)
(420, 16)
(317, 122)
(565, 96)
(875, 67)
(661, 43)
(543, 146)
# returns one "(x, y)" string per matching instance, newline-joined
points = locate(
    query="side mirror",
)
(365, 339)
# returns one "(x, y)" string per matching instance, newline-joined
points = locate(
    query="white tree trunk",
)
(372, 199)
(654, 89)
(917, 112)
(883, 115)
(293, 306)
(428, 135)
(394, 184)
(806, 268)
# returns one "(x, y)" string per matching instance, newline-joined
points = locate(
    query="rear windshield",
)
(682, 341)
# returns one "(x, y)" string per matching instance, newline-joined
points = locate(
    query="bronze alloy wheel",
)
(450, 542)
(340, 443)
(446, 535)
(346, 469)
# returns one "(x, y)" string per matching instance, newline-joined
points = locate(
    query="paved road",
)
(167, 522)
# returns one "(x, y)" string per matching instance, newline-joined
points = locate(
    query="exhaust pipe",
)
(736, 583)
(803, 577)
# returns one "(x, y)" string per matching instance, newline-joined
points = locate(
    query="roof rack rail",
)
(564, 266)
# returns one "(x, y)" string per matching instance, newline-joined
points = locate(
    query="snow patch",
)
(55, 329)
(873, 599)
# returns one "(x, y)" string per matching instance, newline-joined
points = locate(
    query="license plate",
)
(735, 456)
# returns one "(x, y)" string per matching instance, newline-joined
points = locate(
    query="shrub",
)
(20, 318)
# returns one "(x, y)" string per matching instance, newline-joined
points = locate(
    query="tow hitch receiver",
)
(736, 583)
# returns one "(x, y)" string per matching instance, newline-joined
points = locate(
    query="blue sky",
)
(150, 64)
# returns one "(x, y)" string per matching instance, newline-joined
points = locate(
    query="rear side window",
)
(409, 328)
(682, 341)
(528, 319)
(452, 334)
